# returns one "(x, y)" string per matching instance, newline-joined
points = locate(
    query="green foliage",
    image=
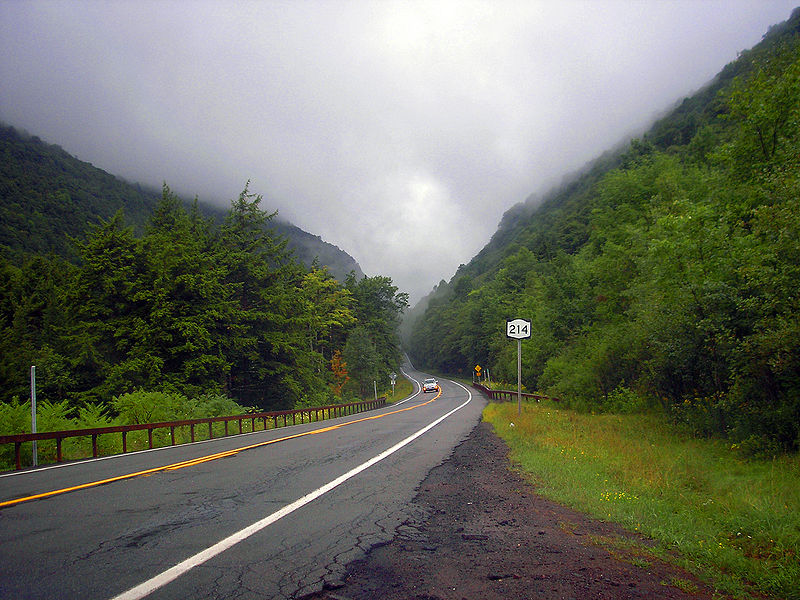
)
(623, 400)
(188, 309)
(152, 407)
(374, 352)
(363, 362)
(663, 275)
(765, 108)
(217, 405)
(126, 409)
(161, 296)
(731, 520)
(317, 398)
(47, 197)
(15, 417)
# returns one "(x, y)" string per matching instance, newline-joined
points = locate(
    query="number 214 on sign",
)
(518, 329)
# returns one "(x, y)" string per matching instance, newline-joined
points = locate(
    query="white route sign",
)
(518, 329)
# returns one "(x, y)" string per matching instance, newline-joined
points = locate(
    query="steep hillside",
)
(663, 275)
(309, 248)
(48, 196)
(558, 220)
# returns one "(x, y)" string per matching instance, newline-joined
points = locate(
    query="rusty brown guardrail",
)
(333, 410)
(510, 395)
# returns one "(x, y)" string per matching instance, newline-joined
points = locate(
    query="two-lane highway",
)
(267, 515)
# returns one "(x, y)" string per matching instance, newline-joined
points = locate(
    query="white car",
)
(430, 385)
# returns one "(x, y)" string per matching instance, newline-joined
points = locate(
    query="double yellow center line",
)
(204, 459)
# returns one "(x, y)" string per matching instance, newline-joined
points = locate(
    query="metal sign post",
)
(519, 376)
(394, 378)
(519, 329)
(34, 450)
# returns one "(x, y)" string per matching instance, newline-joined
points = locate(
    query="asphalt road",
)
(275, 521)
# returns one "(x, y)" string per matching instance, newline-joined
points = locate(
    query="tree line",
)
(193, 307)
(665, 278)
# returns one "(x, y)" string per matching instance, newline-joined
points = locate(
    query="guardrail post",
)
(94, 445)
(150, 438)
(124, 442)
(210, 431)
(59, 457)
(226, 428)
(172, 434)
(17, 452)
(191, 430)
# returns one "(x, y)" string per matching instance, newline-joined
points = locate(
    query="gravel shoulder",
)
(479, 531)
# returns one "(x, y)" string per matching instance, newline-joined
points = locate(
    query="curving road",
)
(274, 521)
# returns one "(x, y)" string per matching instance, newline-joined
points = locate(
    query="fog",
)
(399, 131)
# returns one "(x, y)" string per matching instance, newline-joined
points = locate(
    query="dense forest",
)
(192, 306)
(665, 276)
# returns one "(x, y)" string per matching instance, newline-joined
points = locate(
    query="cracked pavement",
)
(101, 541)
(478, 530)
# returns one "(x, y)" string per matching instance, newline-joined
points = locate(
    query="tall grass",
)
(403, 389)
(735, 522)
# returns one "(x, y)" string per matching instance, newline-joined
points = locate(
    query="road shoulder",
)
(480, 531)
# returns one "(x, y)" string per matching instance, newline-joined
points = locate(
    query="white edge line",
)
(171, 574)
(412, 396)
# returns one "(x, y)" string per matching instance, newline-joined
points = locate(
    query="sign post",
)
(519, 329)
(477, 372)
(34, 452)
(393, 376)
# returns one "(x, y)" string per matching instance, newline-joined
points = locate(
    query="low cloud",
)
(399, 131)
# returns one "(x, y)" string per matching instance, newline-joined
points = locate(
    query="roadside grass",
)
(403, 388)
(733, 522)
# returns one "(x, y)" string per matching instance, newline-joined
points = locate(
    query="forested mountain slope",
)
(48, 196)
(111, 290)
(665, 275)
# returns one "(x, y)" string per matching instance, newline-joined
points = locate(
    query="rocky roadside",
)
(479, 531)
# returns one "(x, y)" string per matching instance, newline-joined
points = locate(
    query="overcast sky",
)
(399, 131)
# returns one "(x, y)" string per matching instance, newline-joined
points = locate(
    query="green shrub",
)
(217, 405)
(623, 400)
(152, 407)
(318, 398)
(92, 416)
(15, 418)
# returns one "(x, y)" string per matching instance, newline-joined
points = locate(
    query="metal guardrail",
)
(333, 410)
(510, 395)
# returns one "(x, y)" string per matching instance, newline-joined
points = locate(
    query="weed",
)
(733, 521)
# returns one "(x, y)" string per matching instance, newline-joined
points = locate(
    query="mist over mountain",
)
(663, 275)
(48, 196)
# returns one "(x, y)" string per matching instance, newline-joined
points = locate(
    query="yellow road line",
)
(203, 459)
